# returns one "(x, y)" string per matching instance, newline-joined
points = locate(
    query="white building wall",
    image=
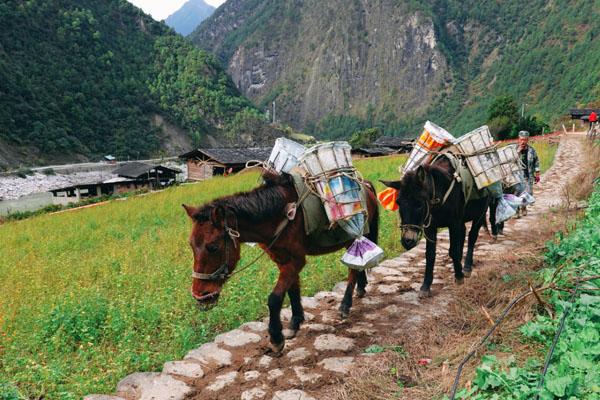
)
(31, 202)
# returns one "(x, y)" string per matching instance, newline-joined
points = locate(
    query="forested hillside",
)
(394, 64)
(86, 78)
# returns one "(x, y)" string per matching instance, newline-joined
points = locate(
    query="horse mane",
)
(413, 185)
(257, 205)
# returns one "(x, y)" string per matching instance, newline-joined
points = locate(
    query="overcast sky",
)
(161, 9)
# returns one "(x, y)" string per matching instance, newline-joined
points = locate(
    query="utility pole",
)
(273, 111)
(523, 110)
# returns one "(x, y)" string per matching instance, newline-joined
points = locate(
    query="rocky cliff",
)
(317, 58)
(398, 62)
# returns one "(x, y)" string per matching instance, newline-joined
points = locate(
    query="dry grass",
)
(448, 338)
(581, 187)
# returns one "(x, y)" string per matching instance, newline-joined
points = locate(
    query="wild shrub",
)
(573, 371)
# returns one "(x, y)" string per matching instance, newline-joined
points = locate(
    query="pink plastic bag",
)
(362, 254)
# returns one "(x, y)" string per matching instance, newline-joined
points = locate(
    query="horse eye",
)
(212, 247)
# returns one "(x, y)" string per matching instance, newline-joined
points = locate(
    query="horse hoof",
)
(423, 294)
(494, 238)
(467, 274)
(459, 281)
(344, 311)
(360, 293)
(290, 333)
(276, 348)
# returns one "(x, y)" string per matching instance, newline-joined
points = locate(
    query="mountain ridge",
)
(189, 16)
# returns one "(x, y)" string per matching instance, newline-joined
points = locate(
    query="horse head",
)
(414, 195)
(214, 242)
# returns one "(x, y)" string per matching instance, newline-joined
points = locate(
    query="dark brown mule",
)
(220, 226)
(428, 200)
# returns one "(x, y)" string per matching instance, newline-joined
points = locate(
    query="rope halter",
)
(431, 204)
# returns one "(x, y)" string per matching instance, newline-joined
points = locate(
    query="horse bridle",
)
(222, 272)
(431, 203)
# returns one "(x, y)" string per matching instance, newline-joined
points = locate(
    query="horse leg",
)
(457, 242)
(495, 227)
(297, 310)
(361, 284)
(347, 300)
(431, 234)
(473, 235)
(286, 278)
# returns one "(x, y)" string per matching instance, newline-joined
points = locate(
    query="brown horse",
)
(262, 216)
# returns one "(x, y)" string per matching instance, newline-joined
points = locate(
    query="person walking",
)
(593, 118)
(530, 164)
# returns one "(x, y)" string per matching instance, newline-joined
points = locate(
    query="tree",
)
(364, 137)
(504, 106)
(530, 124)
(503, 116)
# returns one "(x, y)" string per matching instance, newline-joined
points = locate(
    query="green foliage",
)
(573, 372)
(504, 106)
(365, 137)
(531, 124)
(24, 173)
(86, 77)
(374, 349)
(500, 127)
(247, 121)
(193, 89)
(341, 127)
(505, 123)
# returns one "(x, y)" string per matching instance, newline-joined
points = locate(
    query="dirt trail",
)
(235, 366)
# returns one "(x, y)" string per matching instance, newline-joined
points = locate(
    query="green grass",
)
(92, 295)
(545, 151)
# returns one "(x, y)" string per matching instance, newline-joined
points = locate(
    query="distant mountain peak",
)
(189, 16)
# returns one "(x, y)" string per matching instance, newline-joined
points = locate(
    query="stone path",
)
(236, 366)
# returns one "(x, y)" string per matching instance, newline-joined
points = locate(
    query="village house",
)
(583, 113)
(205, 163)
(138, 174)
(129, 177)
(384, 146)
(76, 193)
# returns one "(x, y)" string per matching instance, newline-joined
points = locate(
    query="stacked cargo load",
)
(328, 172)
(510, 164)
(479, 151)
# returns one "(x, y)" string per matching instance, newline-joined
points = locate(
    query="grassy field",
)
(92, 295)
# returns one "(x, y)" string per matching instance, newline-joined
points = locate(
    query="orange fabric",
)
(387, 198)
(427, 141)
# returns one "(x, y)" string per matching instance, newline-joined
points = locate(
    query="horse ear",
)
(392, 184)
(191, 211)
(217, 215)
